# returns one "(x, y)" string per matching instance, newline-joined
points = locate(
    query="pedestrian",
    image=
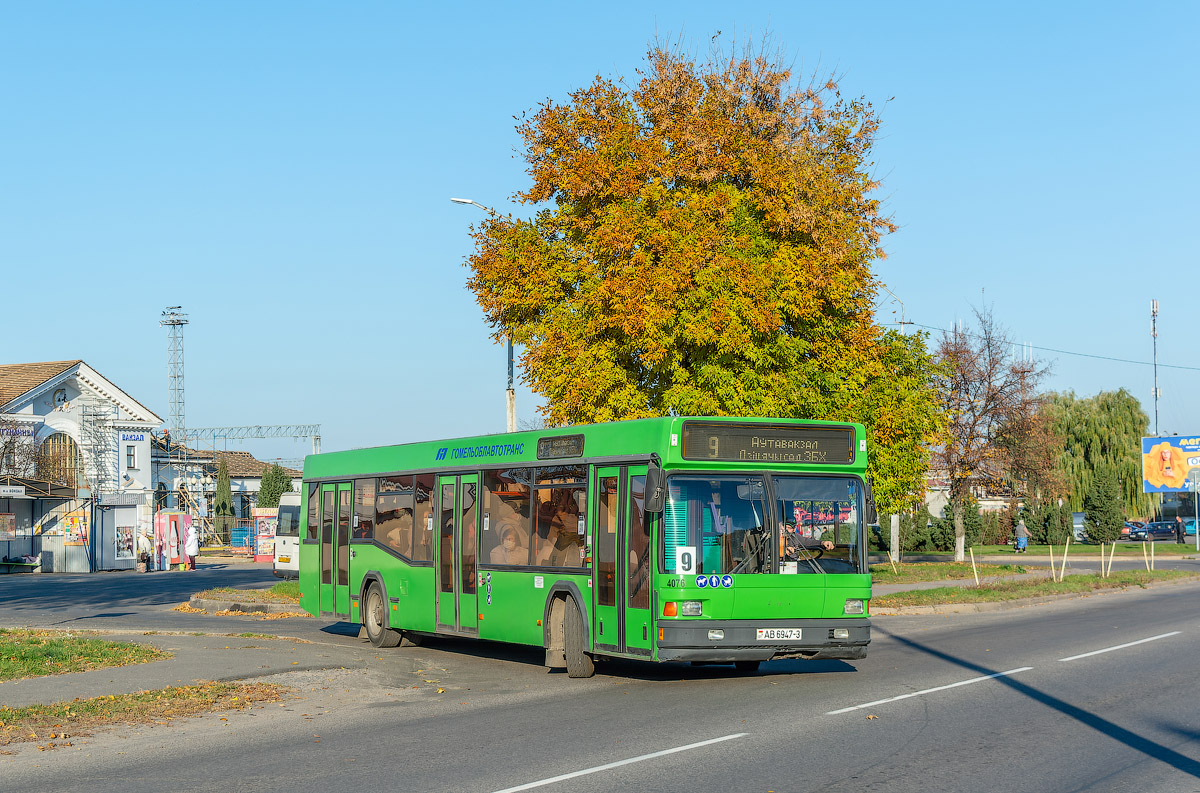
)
(191, 548)
(1022, 537)
(1179, 530)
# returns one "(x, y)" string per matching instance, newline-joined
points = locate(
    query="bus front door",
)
(606, 553)
(457, 513)
(621, 551)
(334, 582)
(635, 528)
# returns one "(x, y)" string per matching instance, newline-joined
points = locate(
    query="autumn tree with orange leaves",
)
(702, 245)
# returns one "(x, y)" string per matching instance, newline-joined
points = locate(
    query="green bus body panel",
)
(514, 606)
(635, 438)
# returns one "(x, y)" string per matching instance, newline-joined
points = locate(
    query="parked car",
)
(1189, 527)
(1155, 530)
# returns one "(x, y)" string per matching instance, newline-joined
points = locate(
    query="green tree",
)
(223, 502)
(1105, 513)
(704, 246)
(1104, 431)
(275, 482)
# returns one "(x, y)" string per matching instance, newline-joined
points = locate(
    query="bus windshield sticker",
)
(560, 447)
(772, 443)
(539, 582)
(685, 560)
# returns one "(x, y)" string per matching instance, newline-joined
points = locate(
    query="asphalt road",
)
(1085, 694)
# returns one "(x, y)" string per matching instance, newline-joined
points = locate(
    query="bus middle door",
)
(456, 585)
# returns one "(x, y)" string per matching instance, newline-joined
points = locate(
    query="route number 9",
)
(685, 560)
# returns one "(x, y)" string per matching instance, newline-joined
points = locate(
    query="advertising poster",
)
(1170, 465)
(266, 520)
(8, 526)
(76, 526)
(124, 539)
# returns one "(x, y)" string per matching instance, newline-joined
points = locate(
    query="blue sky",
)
(283, 171)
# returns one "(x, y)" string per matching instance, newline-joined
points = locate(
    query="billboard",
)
(1170, 465)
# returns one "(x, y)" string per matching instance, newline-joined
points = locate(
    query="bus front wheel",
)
(375, 619)
(579, 663)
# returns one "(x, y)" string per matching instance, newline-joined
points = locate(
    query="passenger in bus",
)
(510, 550)
(559, 542)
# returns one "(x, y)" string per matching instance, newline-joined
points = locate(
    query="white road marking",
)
(929, 690)
(1120, 646)
(620, 763)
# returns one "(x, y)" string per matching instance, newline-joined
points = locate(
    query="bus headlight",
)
(690, 608)
(854, 606)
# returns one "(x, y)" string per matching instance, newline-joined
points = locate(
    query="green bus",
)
(701, 539)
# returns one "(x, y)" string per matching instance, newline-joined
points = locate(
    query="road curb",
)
(212, 604)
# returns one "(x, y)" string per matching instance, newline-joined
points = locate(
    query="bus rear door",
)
(334, 591)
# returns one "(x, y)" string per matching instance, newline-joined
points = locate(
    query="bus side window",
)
(394, 511)
(364, 509)
(424, 530)
(506, 505)
(312, 528)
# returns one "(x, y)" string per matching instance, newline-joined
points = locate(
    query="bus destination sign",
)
(560, 447)
(767, 443)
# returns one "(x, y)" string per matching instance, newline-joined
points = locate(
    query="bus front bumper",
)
(761, 640)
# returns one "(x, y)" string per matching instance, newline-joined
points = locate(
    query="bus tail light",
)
(670, 609)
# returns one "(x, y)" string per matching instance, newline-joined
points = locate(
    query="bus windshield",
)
(764, 523)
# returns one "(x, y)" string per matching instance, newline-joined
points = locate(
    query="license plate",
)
(778, 634)
(285, 559)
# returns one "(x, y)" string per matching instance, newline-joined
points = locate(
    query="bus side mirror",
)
(871, 514)
(656, 491)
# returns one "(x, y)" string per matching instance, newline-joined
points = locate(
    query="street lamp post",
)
(510, 396)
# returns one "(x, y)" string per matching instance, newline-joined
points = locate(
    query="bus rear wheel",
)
(375, 620)
(579, 663)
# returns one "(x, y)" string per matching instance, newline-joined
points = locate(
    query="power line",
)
(1081, 354)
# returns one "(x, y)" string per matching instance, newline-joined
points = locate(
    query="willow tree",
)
(703, 244)
(1101, 431)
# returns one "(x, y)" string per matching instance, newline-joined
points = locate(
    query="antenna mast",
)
(174, 319)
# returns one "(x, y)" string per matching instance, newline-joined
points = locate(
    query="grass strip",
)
(36, 653)
(1018, 590)
(1123, 547)
(910, 572)
(60, 722)
(283, 592)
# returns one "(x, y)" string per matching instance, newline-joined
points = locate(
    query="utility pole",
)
(1154, 336)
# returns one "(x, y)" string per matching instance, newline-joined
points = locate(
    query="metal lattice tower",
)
(174, 319)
